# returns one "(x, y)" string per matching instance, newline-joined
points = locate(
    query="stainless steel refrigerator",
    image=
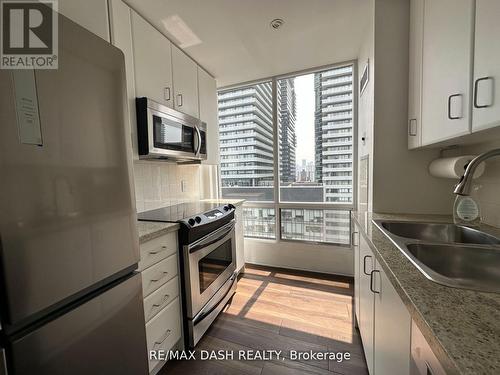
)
(70, 301)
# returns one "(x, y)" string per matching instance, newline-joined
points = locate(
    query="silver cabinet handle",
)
(450, 117)
(412, 127)
(165, 336)
(179, 100)
(353, 234)
(476, 86)
(166, 93)
(154, 252)
(164, 299)
(371, 281)
(364, 264)
(164, 273)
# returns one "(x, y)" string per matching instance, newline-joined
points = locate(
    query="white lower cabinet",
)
(366, 301)
(392, 328)
(159, 268)
(423, 360)
(355, 246)
(164, 330)
(383, 320)
(160, 298)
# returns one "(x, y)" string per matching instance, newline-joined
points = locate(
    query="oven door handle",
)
(220, 235)
(204, 313)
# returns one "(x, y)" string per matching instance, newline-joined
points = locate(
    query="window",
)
(315, 136)
(316, 225)
(315, 148)
(246, 143)
(259, 222)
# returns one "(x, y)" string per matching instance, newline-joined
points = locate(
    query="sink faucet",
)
(465, 184)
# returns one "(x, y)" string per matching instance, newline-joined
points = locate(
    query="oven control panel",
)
(210, 216)
(214, 214)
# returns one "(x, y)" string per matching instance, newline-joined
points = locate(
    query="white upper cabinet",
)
(91, 14)
(447, 51)
(486, 100)
(185, 77)
(415, 72)
(207, 95)
(152, 62)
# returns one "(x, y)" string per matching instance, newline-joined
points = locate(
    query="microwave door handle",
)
(198, 133)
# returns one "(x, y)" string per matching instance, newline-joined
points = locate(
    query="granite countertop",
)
(461, 326)
(149, 230)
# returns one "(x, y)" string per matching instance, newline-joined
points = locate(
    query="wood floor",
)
(276, 309)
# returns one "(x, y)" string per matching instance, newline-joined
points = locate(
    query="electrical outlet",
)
(183, 186)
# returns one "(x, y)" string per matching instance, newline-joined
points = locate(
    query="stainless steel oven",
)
(208, 260)
(165, 133)
(210, 278)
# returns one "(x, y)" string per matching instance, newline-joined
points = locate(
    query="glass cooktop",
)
(172, 214)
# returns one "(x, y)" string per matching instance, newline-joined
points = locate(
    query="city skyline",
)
(315, 149)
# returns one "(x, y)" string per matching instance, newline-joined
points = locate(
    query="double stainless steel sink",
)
(448, 254)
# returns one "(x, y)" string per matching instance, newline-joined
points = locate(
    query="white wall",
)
(300, 255)
(401, 182)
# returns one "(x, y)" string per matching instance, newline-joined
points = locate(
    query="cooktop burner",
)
(172, 214)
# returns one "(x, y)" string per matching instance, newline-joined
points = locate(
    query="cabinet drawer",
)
(164, 330)
(160, 298)
(157, 249)
(159, 274)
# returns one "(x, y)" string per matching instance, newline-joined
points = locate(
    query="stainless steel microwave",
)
(164, 133)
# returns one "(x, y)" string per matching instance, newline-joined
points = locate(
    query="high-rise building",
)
(334, 133)
(286, 128)
(247, 167)
(246, 136)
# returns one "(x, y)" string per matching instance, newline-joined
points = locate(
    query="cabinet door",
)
(415, 74)
(446, 69)
(121, 37)
(355, 248)
(392, 328)
(207, 94)
(366, 301)
(185, 73)
(152, 62)
(486, 111)
(91, 14)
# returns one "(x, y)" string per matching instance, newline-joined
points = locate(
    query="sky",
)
(304, 124)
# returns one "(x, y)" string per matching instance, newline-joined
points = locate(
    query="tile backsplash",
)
(159, 184)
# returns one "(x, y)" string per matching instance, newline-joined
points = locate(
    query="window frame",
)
(276, 203)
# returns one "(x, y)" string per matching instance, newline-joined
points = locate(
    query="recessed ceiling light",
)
(277, 23)
(180, 31)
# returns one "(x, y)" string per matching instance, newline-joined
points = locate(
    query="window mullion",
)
(277, 214)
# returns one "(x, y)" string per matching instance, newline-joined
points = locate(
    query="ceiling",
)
(233, 39)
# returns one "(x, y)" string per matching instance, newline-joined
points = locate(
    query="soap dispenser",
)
(466, 210)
